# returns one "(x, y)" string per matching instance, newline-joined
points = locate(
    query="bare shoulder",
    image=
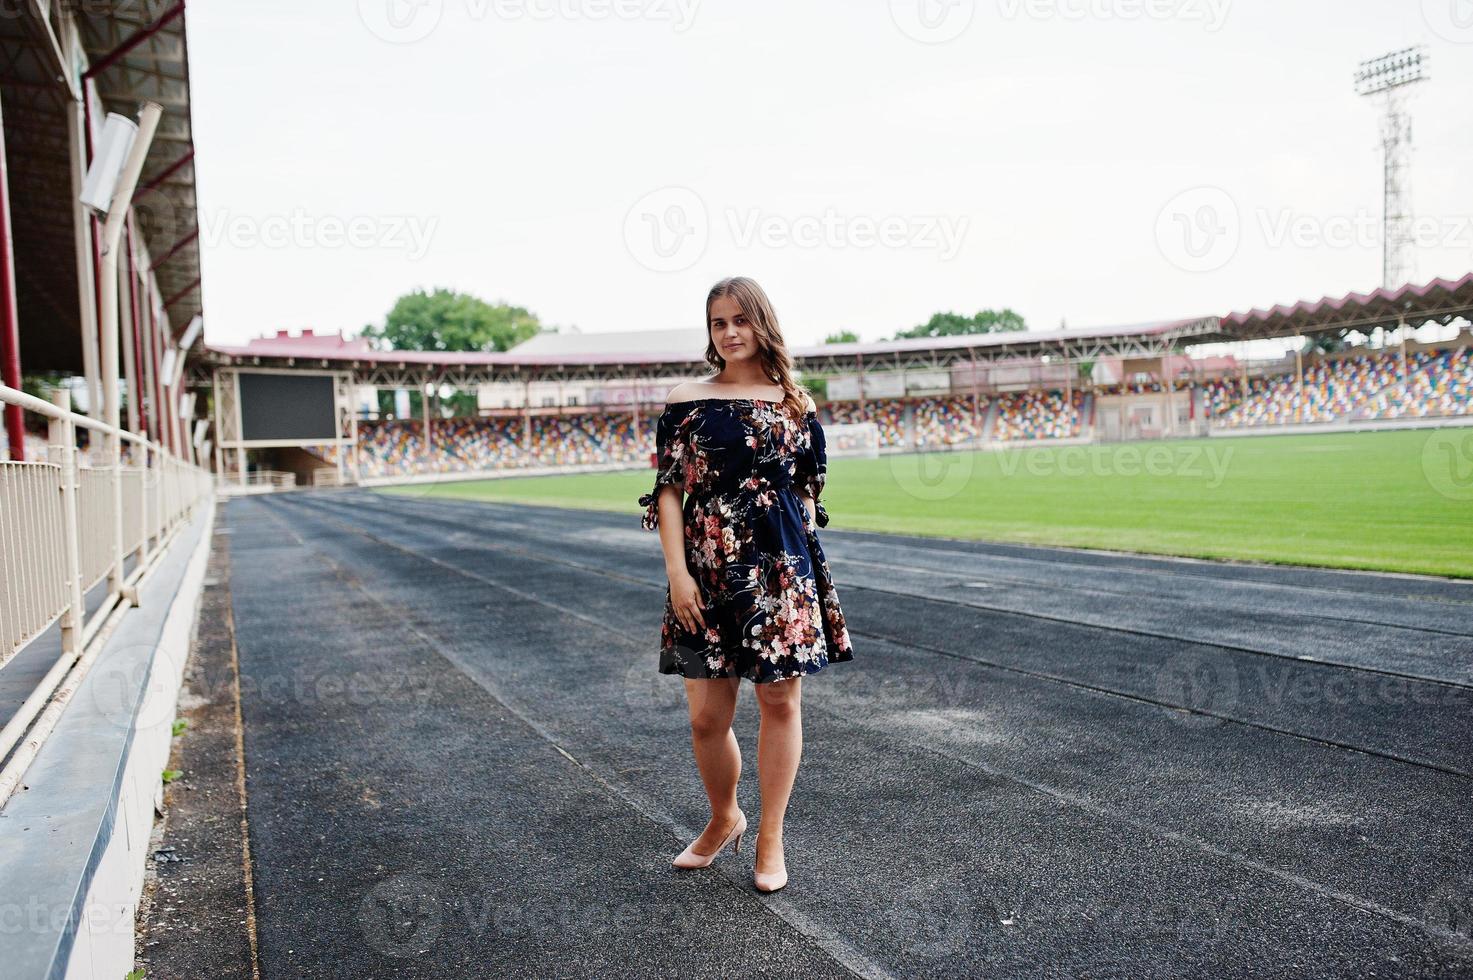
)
(684, 391)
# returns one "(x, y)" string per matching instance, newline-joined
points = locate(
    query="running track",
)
(460, 760)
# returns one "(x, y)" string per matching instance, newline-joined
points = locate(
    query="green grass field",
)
(1388, 501)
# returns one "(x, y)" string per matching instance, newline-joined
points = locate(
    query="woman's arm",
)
(685, 594)
(672, 529)
(809, 406)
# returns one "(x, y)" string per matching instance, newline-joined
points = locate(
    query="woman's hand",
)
(685, 600)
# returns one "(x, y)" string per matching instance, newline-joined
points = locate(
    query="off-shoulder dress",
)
(772, 611)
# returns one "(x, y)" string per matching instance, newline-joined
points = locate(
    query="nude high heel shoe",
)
(689, 858)
(770, 881)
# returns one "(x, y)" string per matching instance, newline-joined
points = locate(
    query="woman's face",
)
(732, 333)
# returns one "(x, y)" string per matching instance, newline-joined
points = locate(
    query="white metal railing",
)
(94, 518)
(65, 528)
(260, 481)
(34, 588)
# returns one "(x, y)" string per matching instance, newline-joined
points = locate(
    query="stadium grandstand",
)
(105, 512)
(572, 400)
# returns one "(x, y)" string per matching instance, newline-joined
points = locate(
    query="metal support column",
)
(1401, 329)
(86, 267)
(62, 436)
(1299, 376)
(634, 423)
(15, 426)
(128, 322)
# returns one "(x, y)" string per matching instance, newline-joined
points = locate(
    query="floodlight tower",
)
(1388, 79)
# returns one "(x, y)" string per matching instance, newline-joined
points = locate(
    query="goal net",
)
(852, 439)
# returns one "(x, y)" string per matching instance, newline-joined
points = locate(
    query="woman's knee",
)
(712, 705)
(779, 699)
(709, 723)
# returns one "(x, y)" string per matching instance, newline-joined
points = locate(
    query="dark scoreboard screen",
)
(284, 407)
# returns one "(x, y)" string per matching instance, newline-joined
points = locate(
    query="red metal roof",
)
(334, 348)
(308, 343)
(1441, 299)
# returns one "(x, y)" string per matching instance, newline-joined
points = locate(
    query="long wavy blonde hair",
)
(772, 350)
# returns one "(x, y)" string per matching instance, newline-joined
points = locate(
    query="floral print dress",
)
(771, 608)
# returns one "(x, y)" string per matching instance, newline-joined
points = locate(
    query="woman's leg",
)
(712, 705)
(779, 747)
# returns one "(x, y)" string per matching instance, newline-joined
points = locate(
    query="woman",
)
(750, 590)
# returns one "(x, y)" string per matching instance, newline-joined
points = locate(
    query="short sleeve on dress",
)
(671, 459)
(813, 467)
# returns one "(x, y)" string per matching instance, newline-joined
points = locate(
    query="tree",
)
(956, 325)
(842, 337)
(1325, 343)
(449, 321)
(444, 320)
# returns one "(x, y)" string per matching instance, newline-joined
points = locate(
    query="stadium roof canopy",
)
(136, 52)
(1439, 300)
(614, 341)
(409, 368)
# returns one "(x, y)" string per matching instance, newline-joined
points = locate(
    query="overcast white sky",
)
(602, 163)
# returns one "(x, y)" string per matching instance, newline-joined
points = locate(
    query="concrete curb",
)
(74, 840)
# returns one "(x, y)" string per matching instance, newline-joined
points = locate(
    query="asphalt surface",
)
(194, 919)
(460, 760)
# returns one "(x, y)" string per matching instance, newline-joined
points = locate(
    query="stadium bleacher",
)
(399, 448)
(1439, 382)
(948, 420)
(1363, 386)
(888, 414)
(1025, 415)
